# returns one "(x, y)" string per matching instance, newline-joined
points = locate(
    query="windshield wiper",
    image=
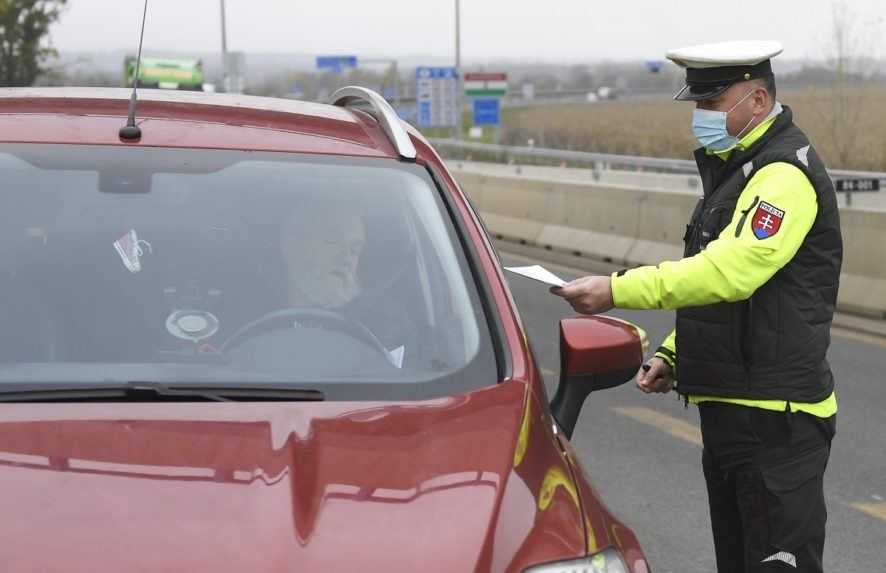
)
(154, 392)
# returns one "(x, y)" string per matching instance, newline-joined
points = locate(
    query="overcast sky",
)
(550, 30)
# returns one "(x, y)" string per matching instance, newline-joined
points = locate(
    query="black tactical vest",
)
(773, 345)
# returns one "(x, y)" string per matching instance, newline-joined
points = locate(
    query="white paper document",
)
(396, 356)
(538, 273)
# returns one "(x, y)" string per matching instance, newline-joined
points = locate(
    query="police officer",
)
(755, 296)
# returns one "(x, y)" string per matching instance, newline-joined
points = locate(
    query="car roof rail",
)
(376, 106)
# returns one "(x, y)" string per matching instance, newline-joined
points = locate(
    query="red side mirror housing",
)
(596, 352)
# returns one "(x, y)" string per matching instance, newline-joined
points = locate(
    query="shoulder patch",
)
(767, 220)
(802, 154)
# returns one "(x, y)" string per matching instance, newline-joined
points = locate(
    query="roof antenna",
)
(131, 131)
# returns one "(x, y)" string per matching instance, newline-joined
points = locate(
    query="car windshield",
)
(196, 266)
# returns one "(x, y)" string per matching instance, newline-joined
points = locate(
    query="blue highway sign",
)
(487, 111)
(336, 64)
(437, 95)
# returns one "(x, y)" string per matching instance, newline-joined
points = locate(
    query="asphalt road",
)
(644, 456)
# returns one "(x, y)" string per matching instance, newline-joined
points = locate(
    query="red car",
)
(272, 336)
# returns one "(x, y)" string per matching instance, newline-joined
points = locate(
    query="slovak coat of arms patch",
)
(767, 220)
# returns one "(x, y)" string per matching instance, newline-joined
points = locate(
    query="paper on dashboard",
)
(538, 273)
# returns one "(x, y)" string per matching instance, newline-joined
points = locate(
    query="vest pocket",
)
(795, 505)
(715, 221)
(762, 326)
(689, 237)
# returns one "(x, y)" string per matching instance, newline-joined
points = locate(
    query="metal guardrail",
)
(597, 160)
(611, 161)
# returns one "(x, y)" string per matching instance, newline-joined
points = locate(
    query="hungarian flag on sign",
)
(767, 220)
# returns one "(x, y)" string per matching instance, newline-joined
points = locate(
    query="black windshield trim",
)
(154, 392)
(481, 281)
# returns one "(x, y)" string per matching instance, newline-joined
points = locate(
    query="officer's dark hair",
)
(768, 83)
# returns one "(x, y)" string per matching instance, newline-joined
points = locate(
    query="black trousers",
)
(764, 473)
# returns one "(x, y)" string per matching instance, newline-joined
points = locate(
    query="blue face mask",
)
(709, 127)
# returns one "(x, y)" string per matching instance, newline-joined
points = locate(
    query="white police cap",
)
(712, 68)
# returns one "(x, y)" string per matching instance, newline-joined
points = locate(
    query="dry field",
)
(855, 139)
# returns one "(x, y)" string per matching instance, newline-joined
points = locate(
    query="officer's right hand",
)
(658, 378)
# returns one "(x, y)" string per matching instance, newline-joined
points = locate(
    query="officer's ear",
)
(761, 99)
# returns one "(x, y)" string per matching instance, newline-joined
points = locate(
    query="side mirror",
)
(596, 352)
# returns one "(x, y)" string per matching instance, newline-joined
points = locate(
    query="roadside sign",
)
(487, 111)
(486, 85)
(336, 64)
(437, 97)
(528, 91)
(858, 185)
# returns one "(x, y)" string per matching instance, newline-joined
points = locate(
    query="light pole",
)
(224, 55)
(459, 119)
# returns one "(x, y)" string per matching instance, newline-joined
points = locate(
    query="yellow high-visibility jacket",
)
(732, 268)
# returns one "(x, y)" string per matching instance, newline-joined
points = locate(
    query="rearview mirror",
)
(596, 352)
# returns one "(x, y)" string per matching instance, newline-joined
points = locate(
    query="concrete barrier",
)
(630, 226)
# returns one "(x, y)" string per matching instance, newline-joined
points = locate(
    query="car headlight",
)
(607, 561)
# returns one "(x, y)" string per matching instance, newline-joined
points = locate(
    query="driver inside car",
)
(321, 254)
(321, 247)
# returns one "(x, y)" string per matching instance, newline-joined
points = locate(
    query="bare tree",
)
(849, 94)
(847, 98)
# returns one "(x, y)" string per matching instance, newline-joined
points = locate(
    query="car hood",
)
(453, 484)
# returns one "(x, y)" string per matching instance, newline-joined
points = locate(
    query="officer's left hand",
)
(587, 295)
(655, 376)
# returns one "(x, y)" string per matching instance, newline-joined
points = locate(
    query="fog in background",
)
(555, 30)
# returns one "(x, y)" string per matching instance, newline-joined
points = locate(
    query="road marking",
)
(674, 426)
(689, 433)
(877, 510)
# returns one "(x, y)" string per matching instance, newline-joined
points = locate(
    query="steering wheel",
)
(285, 318)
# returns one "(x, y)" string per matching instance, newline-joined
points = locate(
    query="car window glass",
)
(218, 266)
